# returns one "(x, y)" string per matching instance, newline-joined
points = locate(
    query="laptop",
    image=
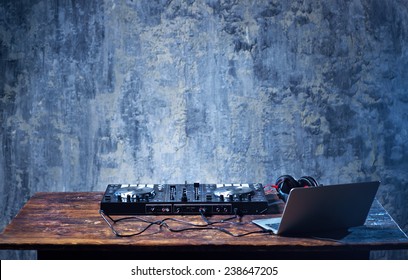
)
(323, 208)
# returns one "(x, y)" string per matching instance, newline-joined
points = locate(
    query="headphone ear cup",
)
(308, 181)
(285, 183)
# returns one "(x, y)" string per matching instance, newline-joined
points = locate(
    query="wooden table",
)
(68, 225)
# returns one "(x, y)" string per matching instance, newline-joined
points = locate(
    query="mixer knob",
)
(258, 186)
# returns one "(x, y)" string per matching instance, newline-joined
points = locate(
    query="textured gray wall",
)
(95, 92)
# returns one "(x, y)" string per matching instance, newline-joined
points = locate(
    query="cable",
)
(118, 220)
(191, 226)
(216, 229)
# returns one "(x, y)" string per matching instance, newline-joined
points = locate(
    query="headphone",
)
(286, 182)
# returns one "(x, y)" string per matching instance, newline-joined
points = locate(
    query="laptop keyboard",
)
(274, 225)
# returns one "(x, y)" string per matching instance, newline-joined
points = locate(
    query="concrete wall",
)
(98, 92)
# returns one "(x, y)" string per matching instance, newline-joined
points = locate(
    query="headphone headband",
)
(286, 182)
